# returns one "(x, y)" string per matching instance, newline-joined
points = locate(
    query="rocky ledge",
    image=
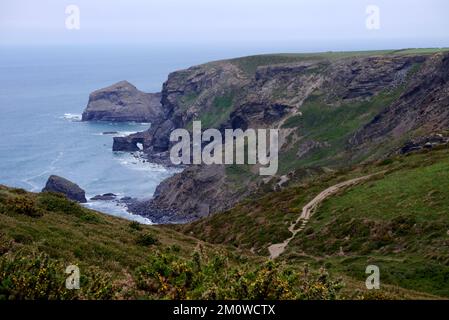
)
(422, 143)
(123, 102)
(69, 189)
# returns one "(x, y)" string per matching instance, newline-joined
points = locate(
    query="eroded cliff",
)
(332, 110)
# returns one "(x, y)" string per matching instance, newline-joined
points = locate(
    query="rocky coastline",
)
(271, 91)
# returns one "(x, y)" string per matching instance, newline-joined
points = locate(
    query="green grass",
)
(421, 50)
(188, 99)
(219, 112)
(398, 220)
(332, 126)
(250, 64)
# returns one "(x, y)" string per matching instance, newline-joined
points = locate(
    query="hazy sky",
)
(282, 23)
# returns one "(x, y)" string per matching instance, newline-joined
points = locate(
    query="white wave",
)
(113, 133)
(136, 162)
(123, 133)
(72, 116)
(50, 169)
(116, 209)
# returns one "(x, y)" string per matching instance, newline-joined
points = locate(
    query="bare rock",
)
(65, 187)
(123, 102)
(104, 197)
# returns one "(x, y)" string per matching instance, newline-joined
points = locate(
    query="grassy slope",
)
(254, 224)
(41, 234)
(399, 222)
(330, 125)
(32, 224)
(69, 232)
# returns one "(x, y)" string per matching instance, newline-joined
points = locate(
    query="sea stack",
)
(123, 102)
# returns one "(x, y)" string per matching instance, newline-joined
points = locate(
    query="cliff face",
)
(331, 110)
(123, 102)
(424, 106)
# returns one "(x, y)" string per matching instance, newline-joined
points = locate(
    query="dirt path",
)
(307, 211)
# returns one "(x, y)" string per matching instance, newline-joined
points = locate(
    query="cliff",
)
(332, 109)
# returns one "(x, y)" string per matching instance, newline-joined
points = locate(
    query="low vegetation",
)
(42, 234)
(397, 220)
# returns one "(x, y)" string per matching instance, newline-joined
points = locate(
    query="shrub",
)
(386, 162)
(135, 225)
(146, 239)
(18, 191)
(42, 278)
(90, 217)
(23, 205)
(167, 276)
(37, 278)
(56, 202)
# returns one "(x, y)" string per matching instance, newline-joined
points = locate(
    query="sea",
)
(44, 90)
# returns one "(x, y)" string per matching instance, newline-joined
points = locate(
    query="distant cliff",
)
(333, 109)
(123, 102)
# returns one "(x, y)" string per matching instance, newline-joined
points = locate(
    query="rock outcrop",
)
(123, 102)
(65, 187)
(104, 197)
(421, 143)
(129, 143)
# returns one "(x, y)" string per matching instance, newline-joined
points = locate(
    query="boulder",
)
(106, 196)
(123, 102)
(66, 187)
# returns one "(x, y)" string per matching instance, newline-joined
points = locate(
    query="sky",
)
(284, 24)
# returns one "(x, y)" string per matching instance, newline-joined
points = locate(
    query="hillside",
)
(42, 234)
(397, 219)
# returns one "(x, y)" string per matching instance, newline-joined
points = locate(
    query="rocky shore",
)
(148, 209)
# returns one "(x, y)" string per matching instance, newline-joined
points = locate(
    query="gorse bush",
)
(23, 205)
(167, 276)
(134, 225)
(37, 278)
(56, 202)
(42, 278)
(146, 239)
